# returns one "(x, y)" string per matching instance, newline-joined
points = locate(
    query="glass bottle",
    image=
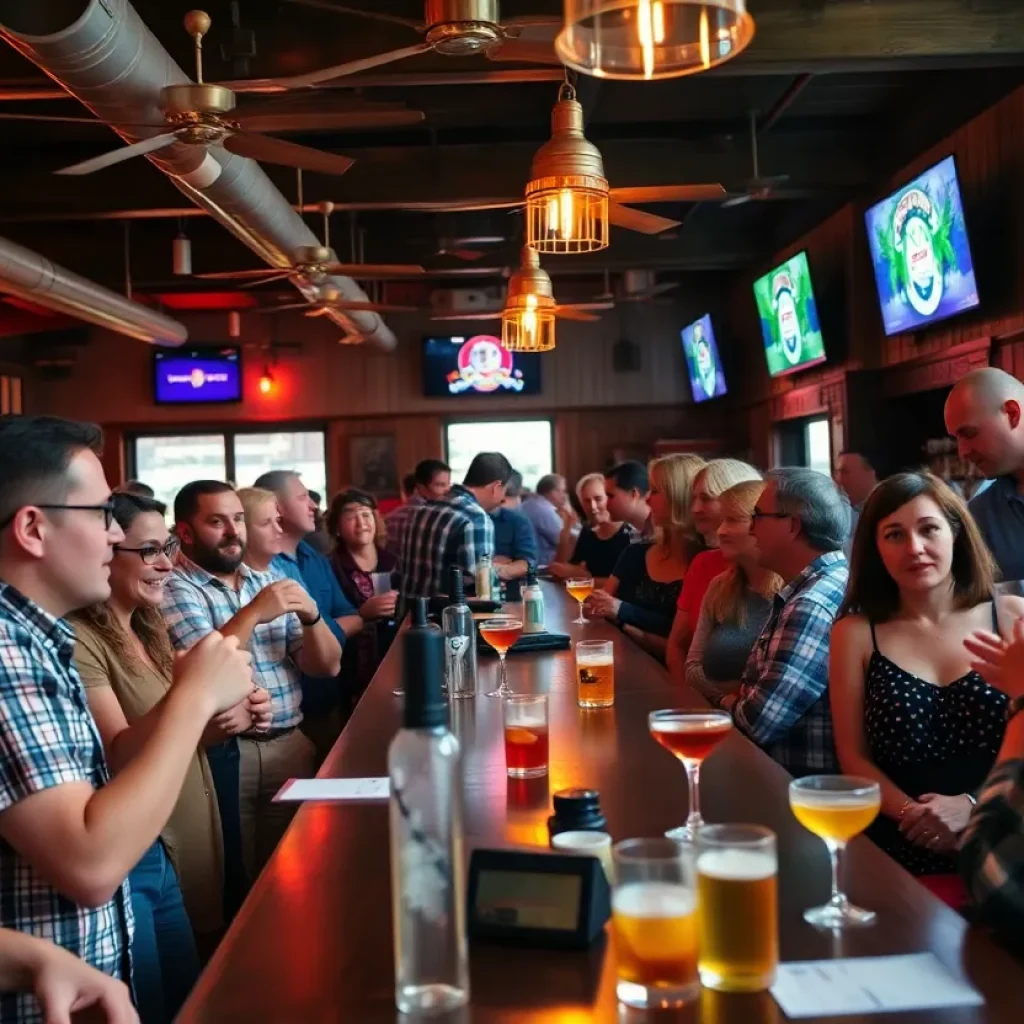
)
(427, 871)
(483, 578)
(533, 604)
(459, 640)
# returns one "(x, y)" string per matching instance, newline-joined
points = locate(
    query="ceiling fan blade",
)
(69, 120)
(496, 315)
(525, 51)
(461, 206)
(351, 67)
(638, 220)
(591, 307)
(279, 309)
(740, 200)
(667, 193)
(661, 289)
(372, 307)
(261, 275)
(569, 313)
(277, 151)
(468, 255)
(116, 156)
(532, 21)
(282, 275)
(373, 270)
(326, 120)
(394, 19)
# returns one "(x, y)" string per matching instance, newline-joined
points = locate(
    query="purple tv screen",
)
(184, 377)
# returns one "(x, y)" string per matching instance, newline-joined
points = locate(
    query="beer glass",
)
(579, 589)
(1008, 599)
(501, 633)
(691, 736)
(526, 735)
(595, 673)
(654, 921)
(737, 896)
(836, 808)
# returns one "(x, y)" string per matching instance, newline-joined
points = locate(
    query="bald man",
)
(984, 414)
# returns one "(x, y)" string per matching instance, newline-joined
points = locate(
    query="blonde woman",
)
(712, 481)
(262, 526)
(598, 545)
(737, 603)
(642, 592)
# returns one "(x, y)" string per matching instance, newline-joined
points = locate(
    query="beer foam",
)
(736, 865)
(595, 659)
(838, 801)
(717, 723)
(654, 899)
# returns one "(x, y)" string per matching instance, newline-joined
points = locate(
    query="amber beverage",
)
(694, 737)
(837, 817)
(502, 636)
(595, 673)
(580, 590)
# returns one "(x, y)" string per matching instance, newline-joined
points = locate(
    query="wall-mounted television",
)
(477, 364)
(707, 378)
(183, 376)
(921, 252)
(789, 317)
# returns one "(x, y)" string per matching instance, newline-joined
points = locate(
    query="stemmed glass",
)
(580, 589)
(691, 736)
(501, 633)
(836, 808)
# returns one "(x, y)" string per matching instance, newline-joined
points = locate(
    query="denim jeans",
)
(164, 956)
(224, 766)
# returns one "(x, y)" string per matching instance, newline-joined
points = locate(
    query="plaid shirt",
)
(454, 530)
(783, 704)
(992, 850)
(196, 603)
(397, 521)
(48, 738)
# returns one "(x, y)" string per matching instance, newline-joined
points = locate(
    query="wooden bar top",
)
(313, 941)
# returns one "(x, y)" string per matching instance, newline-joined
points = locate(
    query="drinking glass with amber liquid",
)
(654, 923)
(501, 633)
(691, 736)
(579, 590)
(836, 808)
(526, 735)
(595, 673)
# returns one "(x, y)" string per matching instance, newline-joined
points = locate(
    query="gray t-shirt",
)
(719, 651)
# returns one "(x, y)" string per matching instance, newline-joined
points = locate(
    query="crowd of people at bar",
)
(159, 684)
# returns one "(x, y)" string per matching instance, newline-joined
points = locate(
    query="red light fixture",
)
(266, 381)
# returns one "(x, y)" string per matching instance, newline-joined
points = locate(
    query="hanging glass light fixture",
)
(567, 194)
(528, 320)
(648, 39)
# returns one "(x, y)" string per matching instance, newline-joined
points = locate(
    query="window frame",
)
(524, 417)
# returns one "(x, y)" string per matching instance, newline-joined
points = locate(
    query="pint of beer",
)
(654, 914)
(737, 870)
(595, 673)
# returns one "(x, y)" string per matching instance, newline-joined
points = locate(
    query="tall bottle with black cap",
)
(428, 910)
(459, 640)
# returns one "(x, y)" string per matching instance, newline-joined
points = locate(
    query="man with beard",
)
(210, 589)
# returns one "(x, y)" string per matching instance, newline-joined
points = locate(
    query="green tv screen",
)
(789, 317)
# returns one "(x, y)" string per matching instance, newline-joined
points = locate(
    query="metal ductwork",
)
(102, 53)
(33, 277)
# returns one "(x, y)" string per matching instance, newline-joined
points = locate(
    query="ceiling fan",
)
(637, 286)
(462, 248)
(758, 188)
(329, 300)
(202, 114)
(315, 263)
(454, 29)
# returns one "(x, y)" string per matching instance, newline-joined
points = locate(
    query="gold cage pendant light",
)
(528, 320)
(641, 40)
(567, 195)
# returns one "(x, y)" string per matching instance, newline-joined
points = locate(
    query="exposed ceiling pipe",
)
(102, 53)
(33, 277)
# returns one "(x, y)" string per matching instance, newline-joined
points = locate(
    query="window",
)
(527, 444)
(805, 442)
(168, 462)
(819, 446)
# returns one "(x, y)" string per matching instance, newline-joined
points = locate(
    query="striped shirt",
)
(196, 603)
(783, 704)
(48, 738)
(454, 530)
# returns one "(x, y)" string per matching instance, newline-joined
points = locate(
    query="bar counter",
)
(312, 943)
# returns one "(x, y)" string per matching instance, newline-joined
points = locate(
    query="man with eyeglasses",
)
(69, 833)
(800, 523)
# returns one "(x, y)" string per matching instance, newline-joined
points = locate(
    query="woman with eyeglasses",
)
(124, 657)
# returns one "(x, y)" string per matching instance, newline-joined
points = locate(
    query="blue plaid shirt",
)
(397, 522)
(783, 704)
(992, 850)
(196, 603)
(48, 738)
(454, 530)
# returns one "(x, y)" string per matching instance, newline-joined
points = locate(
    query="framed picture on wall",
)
(374, 465)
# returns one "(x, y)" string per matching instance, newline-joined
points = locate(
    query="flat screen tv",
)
(920, 251)
(789, 317)
(707, 378)
(477, 364)
(186, 376)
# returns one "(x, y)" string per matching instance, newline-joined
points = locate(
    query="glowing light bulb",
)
(266, 381)
(566, 213)
(645, 35)
(705, 38)
(658, 17)
(553, 206)
(529, 317)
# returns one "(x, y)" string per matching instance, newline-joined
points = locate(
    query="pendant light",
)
(528, 320)
(642, 40)
(567, 195)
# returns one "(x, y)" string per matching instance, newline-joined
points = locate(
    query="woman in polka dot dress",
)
(907, 708)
